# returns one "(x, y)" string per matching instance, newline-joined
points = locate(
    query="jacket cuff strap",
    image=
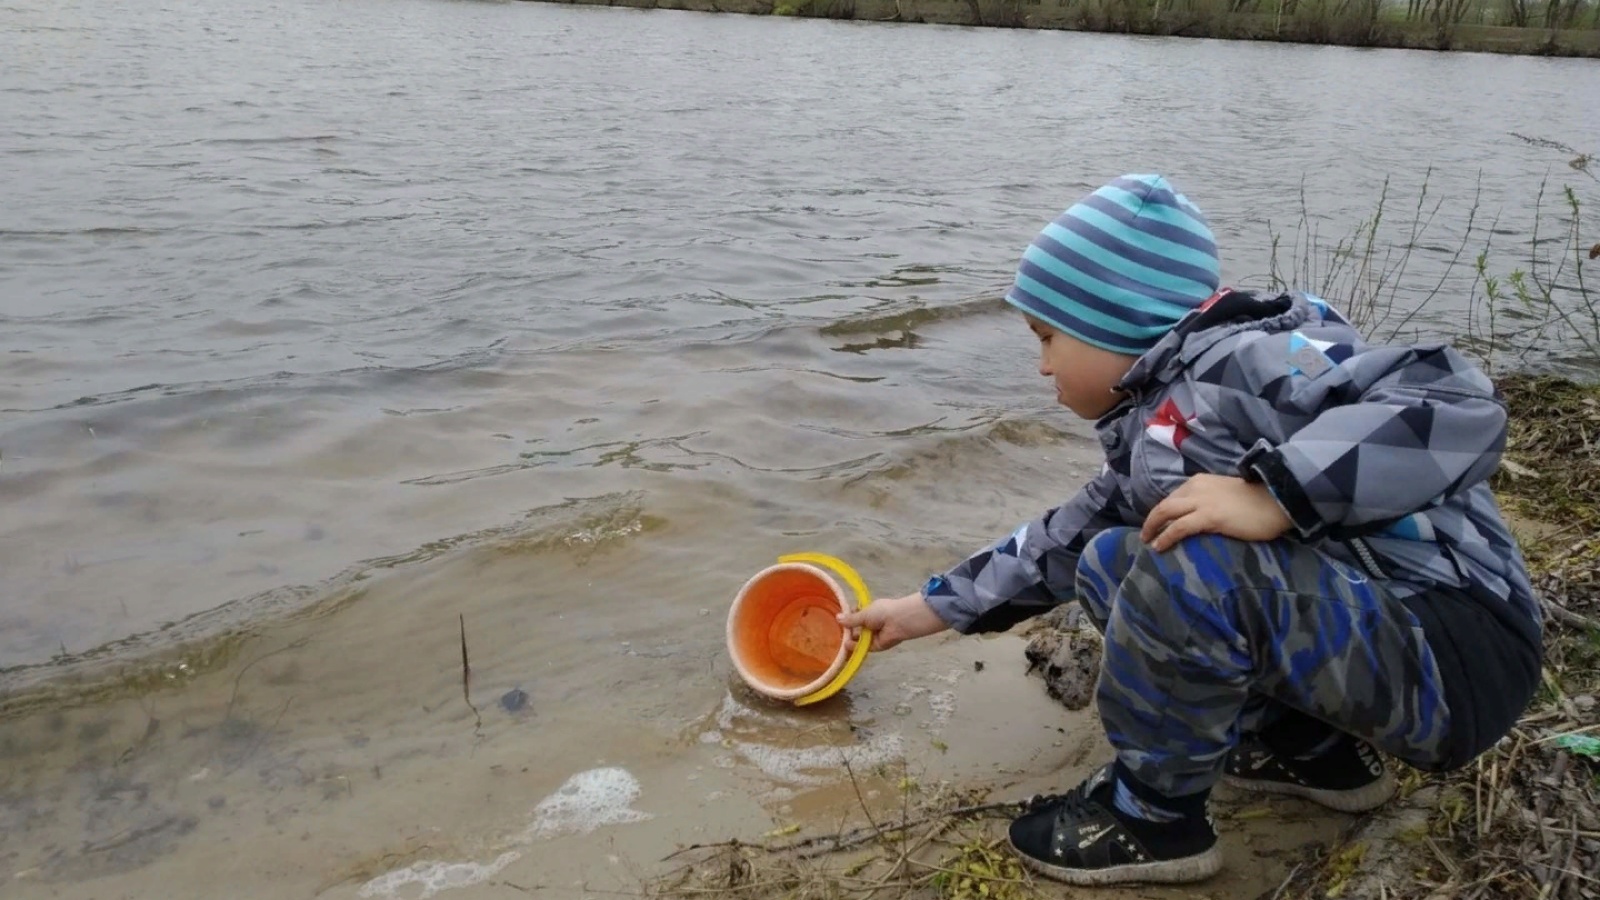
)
(1263, 464)
(942, 599)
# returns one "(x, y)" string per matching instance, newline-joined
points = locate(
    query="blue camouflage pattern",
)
(1199, 634)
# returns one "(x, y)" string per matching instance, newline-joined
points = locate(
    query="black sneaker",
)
(1080, 838)
(1350, 777)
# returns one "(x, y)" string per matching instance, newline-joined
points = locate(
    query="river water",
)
(327, 327)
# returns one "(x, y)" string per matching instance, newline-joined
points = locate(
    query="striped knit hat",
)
(1120, 267)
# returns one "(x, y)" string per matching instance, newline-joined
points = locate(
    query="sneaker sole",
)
(1168, 871)
(1354, 800)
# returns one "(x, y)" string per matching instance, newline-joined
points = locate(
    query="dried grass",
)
(939, 848)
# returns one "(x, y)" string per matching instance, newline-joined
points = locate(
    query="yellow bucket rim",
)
(863, 645)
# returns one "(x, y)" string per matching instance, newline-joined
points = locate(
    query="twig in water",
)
(732, 844)
(860, 836)
(1544, 143)
(466, 676)
(227, 712)
(845, 757)
(261, 738)
(817, 845)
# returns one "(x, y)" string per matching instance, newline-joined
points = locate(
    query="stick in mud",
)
(844, 758)
(819, 845)
(466, 674)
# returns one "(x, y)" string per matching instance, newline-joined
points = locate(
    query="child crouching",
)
(1292, 549)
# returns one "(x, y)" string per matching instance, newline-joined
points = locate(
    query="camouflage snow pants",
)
(1216, 635)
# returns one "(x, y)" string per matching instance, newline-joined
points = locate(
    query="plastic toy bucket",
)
(782, 634)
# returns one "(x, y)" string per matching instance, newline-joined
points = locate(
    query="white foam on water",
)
(732, 711)
(809, 766)
(943, 705)
(911, 691)
(435, 876)
(604, 532)
(588, 800)
(820, 764)
(904, 707)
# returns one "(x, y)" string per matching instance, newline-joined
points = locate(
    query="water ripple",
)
(399, 242)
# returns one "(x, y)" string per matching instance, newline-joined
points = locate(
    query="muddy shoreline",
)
(1523, 821)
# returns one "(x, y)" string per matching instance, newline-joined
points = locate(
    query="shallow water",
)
(330, 327)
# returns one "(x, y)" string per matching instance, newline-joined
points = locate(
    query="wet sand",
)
(275, 776)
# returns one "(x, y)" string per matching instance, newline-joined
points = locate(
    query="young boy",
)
(1291, 550)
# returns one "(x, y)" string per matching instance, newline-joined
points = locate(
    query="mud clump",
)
(1066, 654)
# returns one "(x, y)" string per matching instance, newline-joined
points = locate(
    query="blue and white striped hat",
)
(1121, 267)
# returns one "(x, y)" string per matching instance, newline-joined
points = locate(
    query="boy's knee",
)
(1108, 555)
(1204, 552)
(1105, 561)
(1197, 570)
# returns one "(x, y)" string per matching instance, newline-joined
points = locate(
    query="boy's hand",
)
(892, 621)
(1215, 504)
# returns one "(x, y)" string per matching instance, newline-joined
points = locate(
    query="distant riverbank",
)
(1354, 23)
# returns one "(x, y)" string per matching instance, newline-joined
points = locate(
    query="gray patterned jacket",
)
(1379, 454)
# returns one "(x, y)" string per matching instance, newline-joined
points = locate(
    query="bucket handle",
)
(863, 644)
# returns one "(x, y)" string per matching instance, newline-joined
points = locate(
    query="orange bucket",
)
(782, 633)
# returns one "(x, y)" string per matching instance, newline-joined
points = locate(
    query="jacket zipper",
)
(1365, 556)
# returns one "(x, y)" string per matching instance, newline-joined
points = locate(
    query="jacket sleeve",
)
(1403, 430)
(1032, 570)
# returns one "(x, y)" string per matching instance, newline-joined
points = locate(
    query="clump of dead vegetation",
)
(937, 844)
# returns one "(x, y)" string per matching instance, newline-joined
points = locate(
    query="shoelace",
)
(1075, 799)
